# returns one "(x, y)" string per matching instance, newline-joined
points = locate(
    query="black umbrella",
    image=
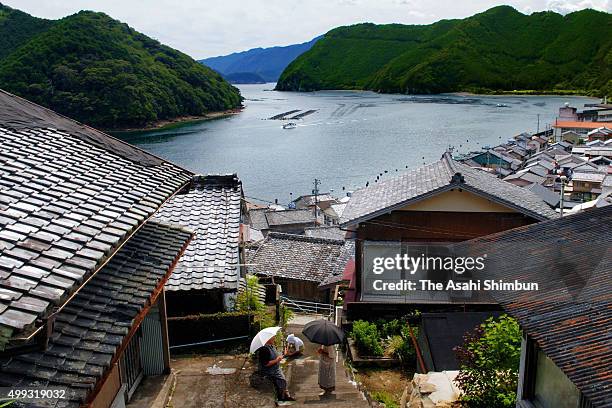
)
(323, 332)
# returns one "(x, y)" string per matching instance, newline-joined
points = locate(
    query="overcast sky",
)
(206, 28)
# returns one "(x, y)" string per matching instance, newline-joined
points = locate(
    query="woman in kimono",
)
(327, 369)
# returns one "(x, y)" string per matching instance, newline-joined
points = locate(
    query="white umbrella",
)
(262, 337)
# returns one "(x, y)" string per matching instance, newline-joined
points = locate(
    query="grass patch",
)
(384, 385)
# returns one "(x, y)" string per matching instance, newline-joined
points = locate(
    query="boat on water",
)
(290, 125)
(502, 105)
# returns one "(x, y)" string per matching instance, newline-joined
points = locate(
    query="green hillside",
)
(17, 27)
(103, 73)
(495, 51)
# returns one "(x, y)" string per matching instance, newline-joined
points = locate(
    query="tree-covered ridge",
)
(17, 27)
(498, 50)
(104, 73)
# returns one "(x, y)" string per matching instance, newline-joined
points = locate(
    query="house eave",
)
(437, 191)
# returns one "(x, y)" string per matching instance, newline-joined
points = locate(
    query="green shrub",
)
(489, 363)
(401, 348)
(248, 299)
(389, 328)
(286, 314)
(367, 338)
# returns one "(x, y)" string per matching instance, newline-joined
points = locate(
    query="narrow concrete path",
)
(303, 376)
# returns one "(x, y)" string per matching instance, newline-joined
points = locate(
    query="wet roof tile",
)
(299, 257)
(417, 183)
(211, 207)
(51, 188)
(569, 316)
(89, 330)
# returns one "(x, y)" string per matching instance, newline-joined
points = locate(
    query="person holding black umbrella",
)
(326, 334)
(327, 369)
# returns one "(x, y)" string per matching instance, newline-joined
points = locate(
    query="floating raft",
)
(301, 115)
(281, 116)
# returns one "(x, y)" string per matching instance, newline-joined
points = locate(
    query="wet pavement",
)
(215, 381)
(197, 387)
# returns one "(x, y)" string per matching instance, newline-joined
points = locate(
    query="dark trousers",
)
(280, 385)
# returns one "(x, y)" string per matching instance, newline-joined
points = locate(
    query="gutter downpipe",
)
(418, 350)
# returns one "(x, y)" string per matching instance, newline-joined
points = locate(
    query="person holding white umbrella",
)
(269, 361)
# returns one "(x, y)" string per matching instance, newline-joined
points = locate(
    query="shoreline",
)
(520, 93)
(525, 92)
(180, 121)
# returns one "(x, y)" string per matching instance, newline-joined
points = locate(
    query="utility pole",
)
(316, 199)
(563, 179)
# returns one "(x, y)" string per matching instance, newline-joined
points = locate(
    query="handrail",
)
(308, 307)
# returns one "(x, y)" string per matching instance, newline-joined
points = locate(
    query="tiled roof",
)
(210, 207)
(346, 254)
(526, 175)
(287, 217)
(592, 177)
(92, 326)
(570, 315)
(310, 199)
(296, 257)
(265, 218)
(329, 232)
(66, 205)
(257, 217)
(434, 178)
(550, 197)
(577, 125)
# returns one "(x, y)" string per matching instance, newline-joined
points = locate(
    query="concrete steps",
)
(303, 385)
(303, 377)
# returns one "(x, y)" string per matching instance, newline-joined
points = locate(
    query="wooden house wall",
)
(303, 290)
(428, 226)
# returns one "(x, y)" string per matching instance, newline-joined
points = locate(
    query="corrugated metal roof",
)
(579, 125)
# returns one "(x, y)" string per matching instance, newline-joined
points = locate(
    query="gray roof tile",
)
(436, 177)
(211, 207)
(299, 257)
(91, 327)
(51, 188)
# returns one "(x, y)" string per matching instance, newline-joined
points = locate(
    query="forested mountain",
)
(17, 27)
(267, 63)
(104, 73)
(498, 50)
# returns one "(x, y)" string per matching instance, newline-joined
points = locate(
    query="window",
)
(552, 388)
(544, 384)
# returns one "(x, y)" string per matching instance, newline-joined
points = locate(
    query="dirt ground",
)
(385, 384)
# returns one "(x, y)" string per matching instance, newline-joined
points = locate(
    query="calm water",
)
(352, 137)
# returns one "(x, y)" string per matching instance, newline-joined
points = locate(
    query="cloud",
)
(569, 6)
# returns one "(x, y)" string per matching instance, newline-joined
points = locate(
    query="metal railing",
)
(302, 306)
